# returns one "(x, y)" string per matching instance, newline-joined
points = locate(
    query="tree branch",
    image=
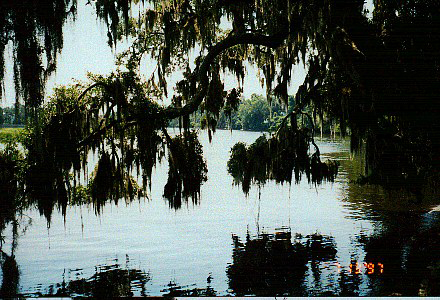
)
(297, 110)
(245, 38)
(313, 131)
(97, 134)
(90, 88)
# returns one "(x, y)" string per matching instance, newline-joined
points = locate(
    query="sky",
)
(86, 50)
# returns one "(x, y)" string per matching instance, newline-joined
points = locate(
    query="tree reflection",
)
(349, 283)
(376, 202)
(406, 238)
(271, 264)
(107, 281)
(11, 276)
(411, 260)
(10, 271)
(175, 290)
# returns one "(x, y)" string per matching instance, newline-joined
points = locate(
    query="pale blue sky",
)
(86, 50)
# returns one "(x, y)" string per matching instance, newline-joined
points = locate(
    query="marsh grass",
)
(11, 135)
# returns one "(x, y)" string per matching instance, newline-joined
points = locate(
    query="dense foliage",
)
(11, 161)
(283, 154)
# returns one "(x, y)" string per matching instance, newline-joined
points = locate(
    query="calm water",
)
(332, 239)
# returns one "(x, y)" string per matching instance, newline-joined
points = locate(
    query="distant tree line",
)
(258, 114)
(13, 115)
(253, 114)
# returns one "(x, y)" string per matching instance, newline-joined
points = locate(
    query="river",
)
(296, 240)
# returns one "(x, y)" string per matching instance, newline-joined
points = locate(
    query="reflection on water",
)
(338, 239)
(266, 266)
(272, 265)
(410, 252)
(11, 276)
(174, 290)
(107, 281)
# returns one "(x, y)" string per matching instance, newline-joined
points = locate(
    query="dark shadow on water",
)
(11, 276)
(278, 264)
(107, 281)
(271, 265)
(410, 252)
(395, 264)
(174, 290)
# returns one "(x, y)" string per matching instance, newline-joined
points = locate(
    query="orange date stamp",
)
(365, 268)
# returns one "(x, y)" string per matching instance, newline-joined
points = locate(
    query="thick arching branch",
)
(232, 40)
(88, 89)
(97, 134)
(246, 38)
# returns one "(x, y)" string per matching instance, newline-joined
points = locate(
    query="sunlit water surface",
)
(192, 248)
